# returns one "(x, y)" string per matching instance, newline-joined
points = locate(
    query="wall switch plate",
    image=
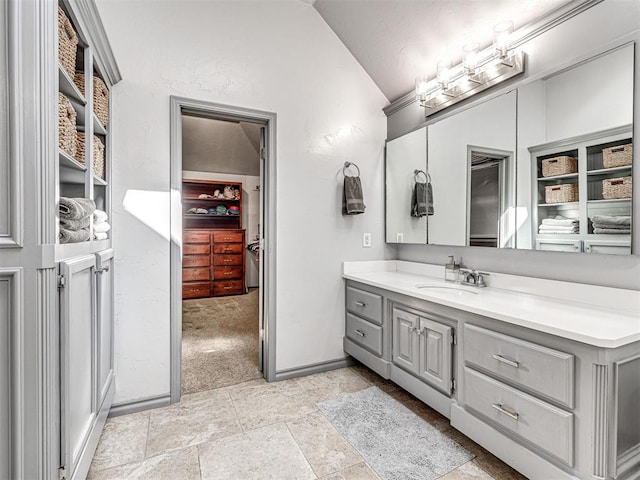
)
(366, 239)
(399, 237)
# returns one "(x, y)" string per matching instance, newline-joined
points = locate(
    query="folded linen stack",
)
(560, 224)
(612, 224)
(100, 225)
(75, 217)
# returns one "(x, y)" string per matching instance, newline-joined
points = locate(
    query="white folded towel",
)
(100, 235)
(99, 216)
(560, 221)
(559, 229)
(101, 227)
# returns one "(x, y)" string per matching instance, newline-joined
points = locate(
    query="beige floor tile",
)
(327, 385)
(325, 449)
(468, 471)
(361, 471)
(269, 403)
(179, 464)
(373, 378)
(198, 418)
(265, 453)
(123, 440)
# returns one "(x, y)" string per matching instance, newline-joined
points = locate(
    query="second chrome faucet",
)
(453, 272)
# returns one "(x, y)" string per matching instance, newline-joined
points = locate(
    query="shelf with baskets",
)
(83, 133)
(580, 181)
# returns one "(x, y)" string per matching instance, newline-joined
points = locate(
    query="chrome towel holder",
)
(346, 166)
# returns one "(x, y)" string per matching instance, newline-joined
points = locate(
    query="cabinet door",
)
(608, 246)
(556, 245)
(78, 337)
(435, 354)
(104, 309)
(405, 340)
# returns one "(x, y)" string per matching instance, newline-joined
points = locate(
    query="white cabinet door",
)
(405, 340)
(435, 354)
(104, 310)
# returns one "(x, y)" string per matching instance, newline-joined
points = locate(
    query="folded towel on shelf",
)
(75, 208)
(100, 235)
(612, 219)
(100, 216)
(101, 227)
(611, 226)
(560, 221)
(615, 231)
(73, 236)
(558, 229)
(75, 224)
(353, 199)
(419, 200)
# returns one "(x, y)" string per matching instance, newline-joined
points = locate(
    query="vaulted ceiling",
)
(397, 40)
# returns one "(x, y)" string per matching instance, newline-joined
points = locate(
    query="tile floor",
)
(259, 430)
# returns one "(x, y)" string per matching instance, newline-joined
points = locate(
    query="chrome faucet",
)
(472, 277)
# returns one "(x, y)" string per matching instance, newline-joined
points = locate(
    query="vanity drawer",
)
(233, 287)
(365, 304)
(193, 237)
(227, 248)
(227, 273)
(196, 290)
(364, 333)
(196, 261)
(193, 274)
(227, 260)
(534, 421)
(539, 369)
(227, 237)
(203, 249)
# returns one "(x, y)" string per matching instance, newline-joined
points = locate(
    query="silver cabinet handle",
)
(361, 333)
(506, 361)
(501, 409)
(360, 304)
(419, 331)
(102, 270)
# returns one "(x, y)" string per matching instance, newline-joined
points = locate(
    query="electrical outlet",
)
(366, 240)
(399, 237)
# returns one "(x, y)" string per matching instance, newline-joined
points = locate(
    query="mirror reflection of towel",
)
(420, 200)
(353, 199)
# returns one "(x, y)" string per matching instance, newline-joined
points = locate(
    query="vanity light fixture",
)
(477, 72)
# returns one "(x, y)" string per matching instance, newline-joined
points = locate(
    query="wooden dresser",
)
(213, 263)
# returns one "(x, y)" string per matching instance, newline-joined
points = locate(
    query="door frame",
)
(268, 286)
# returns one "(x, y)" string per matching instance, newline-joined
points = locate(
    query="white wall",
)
(274, 56)
(250, 213)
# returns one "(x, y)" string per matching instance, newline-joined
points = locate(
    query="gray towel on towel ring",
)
(430, 210)
(76, 208)
(419, 200)
(353, 199)
(74, 236)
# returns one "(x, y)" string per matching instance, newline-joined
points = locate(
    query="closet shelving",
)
(76, 177)
(192, 189)
(588, 150)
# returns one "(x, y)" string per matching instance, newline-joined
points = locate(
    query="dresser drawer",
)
(227, 237)
(532, 420)
(539, 369)
(365, 304)
(204, 249)
(196, 261)
(364, 333)
(227, 260)
(233, 287)
(196, 237)
(196, 290)
(193, 274)
(227, 248)
(227, 273)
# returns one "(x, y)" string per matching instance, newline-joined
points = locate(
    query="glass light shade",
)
(470, 57)
(422, 86)
(502, 37)
(443, 69)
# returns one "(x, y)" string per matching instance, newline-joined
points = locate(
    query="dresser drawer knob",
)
(361, 333)
(506, 361)
(501, 409)
(360, 304)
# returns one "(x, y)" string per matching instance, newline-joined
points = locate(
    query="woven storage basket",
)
(559, 166)
(100, 96)
(97, 157)
(616, 188)
(66, 125)
(617, 156)
(561, 193)
(67, 43)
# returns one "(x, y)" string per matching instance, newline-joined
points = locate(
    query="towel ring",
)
(417, 172)
(346, 166)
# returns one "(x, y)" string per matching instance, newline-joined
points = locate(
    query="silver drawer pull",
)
(506, 361)
(361, 333)
(360, 304)
(501, 409)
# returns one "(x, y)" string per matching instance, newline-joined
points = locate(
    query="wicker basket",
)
(559, 166)
(619, 156)
(98, 154)
(613, 188)
(100, 97)
(66, 125)
(67, 43)
(561, 193)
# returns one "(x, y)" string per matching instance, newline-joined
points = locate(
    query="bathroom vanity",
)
(544, 374)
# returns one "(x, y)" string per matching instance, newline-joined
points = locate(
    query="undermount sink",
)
(447, 289)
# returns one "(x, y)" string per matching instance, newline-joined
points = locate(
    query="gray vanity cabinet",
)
(104, 312)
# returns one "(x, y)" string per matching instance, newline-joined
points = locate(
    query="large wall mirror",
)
(547, 166)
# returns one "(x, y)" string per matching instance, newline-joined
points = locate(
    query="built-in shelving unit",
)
(588, 150)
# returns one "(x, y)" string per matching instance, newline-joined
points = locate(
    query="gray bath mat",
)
(397, 443)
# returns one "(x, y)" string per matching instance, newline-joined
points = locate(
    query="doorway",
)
(222, 246)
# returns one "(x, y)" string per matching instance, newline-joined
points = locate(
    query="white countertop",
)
(611, 320)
